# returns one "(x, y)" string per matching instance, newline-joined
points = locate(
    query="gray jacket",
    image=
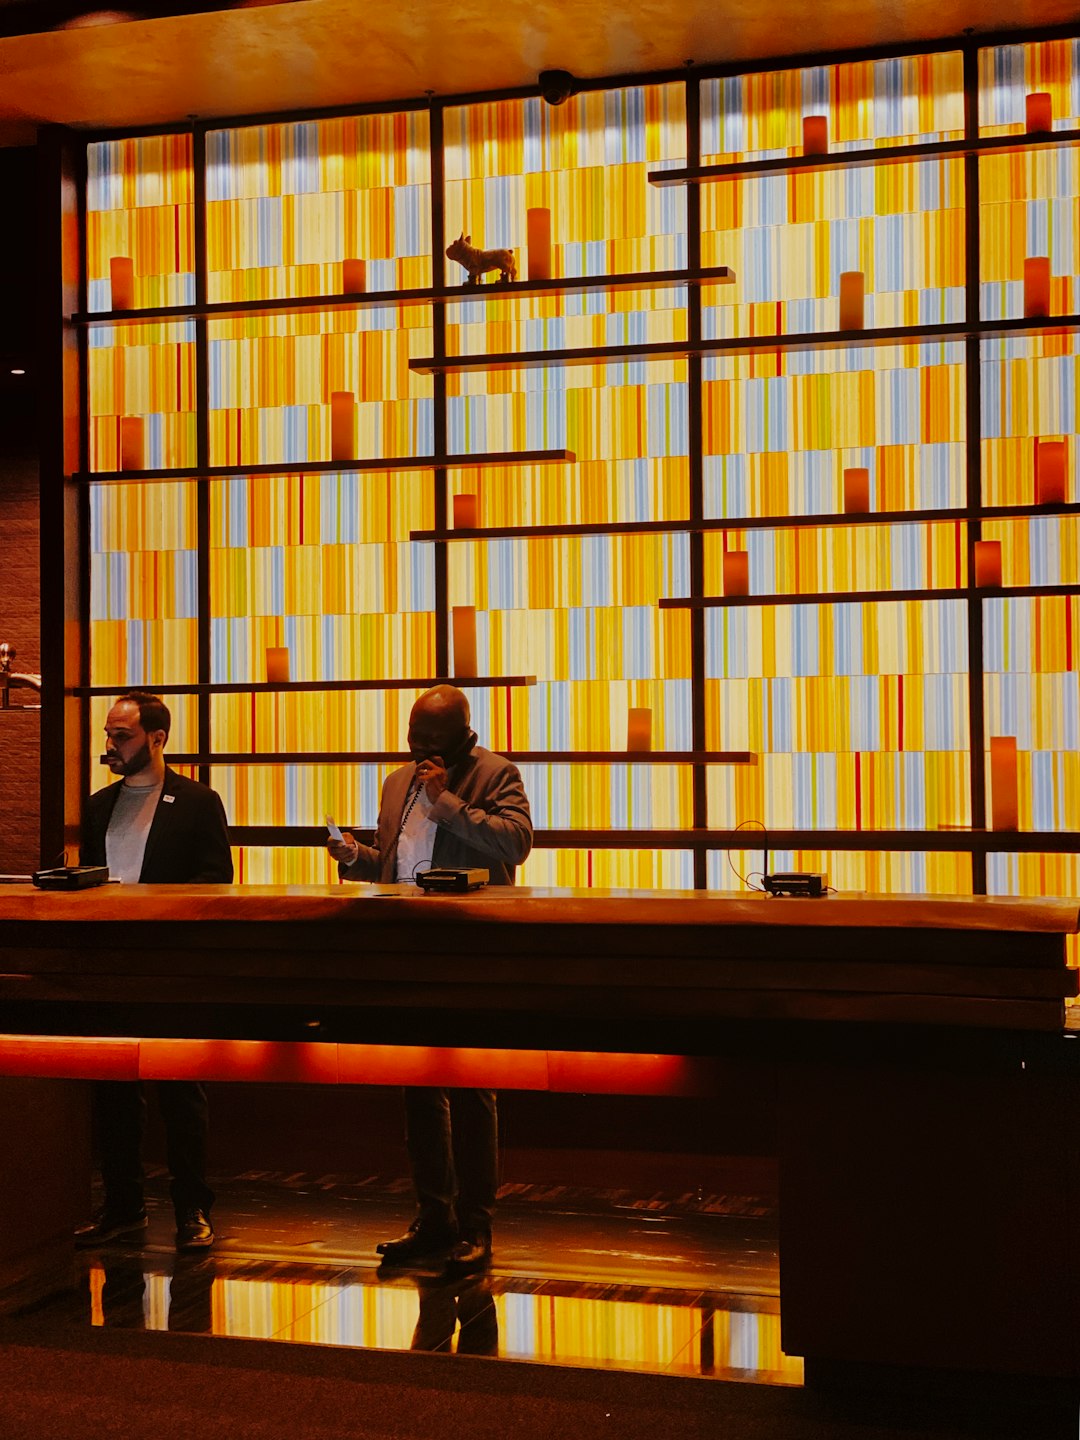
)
(482, 817)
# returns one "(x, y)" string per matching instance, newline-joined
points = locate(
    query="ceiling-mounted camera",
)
(556, 86)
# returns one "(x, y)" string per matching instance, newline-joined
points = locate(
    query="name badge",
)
(167, 799)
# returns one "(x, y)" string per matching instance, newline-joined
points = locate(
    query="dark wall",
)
(20, 598)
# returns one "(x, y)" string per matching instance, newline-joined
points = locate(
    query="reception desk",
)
(929, 1174)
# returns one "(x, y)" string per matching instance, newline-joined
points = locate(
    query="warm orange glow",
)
(354, 276)
(639, 729)
(464, 625)
(132, 442)
(1036, 287)
(277, 664)
(815, 134)
(538, 233)
(736, 567)
(1050, 472)
(465, 512)
(852, 293)
(1004, 805)
(342, 425)
(122, 282)
(317, 1063)
(857, 491)
(1039, 111)
(987, 562)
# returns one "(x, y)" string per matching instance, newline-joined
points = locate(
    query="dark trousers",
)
(120, 1111)
(452, 1136)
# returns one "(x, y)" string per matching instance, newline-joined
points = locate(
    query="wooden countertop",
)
(515, 906)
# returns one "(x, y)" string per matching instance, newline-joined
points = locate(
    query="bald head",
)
(438, 723)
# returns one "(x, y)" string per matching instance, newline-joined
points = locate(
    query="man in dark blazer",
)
(154, 828)
(456, 804)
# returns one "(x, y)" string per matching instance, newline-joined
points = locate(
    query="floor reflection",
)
(684, 1284)
(556, 1322)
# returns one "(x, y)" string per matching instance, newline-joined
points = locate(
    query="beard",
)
(138, 762)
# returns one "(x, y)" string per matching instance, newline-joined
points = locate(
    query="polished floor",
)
(681, 1285)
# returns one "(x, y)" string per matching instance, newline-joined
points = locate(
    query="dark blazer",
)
(482, 818)
(188, 842)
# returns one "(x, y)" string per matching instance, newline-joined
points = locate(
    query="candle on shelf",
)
(736, 572)
(1050, 472)
(1004, 804)
(1039, 113)
(465, 516)
(852, 294)
(856, 491)
(132, 442)
(538, 239)
(987, 563)
(353, 276)
(464, 630)
(815, 134)
(1036, 287)
(122, 282)
(342, 425)
(639, 729)
(277, 664)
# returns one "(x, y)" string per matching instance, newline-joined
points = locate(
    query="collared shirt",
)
(416, 841)
(129, 827)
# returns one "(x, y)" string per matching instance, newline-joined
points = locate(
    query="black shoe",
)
(193, 1230)
(106, 1225)
(468, 1256)
(419, 1245)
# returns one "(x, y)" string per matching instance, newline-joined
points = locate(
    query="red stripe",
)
(900, 712)
(588, 872)
(509, 720)
(1068, 633)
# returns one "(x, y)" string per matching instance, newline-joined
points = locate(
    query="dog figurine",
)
(479, 262)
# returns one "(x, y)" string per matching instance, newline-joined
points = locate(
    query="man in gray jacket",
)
(456, 804)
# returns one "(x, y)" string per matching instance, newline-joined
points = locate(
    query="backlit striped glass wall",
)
(620, 438)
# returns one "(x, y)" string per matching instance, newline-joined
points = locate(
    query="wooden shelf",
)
(383, 299)
(942, 332)
(957, 842)
(519, 757)
(271, 687)
(859, 159)
(488, 460)
(863, 597)
(960, 514)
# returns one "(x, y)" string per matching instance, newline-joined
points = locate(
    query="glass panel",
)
(139, 208)
(287, 205)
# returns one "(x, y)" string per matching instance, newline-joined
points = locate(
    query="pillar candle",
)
(122, 282)
(1050, 472)
(987, 562)
(1036, 287)
(857, 491)
(1004, 804)
(464, 628)
(815, 134)
(132, 442)
(538, 237)
(851, 300)
(465, 517)
(354, 276)
(639, 729)
(342, 425)
(1039, 112)
(736, 572)
(277, 664)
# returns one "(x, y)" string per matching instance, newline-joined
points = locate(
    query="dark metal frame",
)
(66, 474)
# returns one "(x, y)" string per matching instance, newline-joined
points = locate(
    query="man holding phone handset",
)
(454, 805)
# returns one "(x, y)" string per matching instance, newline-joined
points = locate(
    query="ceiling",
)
(263, 57)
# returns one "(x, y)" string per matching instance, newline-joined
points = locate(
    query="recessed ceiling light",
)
(18, 372)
